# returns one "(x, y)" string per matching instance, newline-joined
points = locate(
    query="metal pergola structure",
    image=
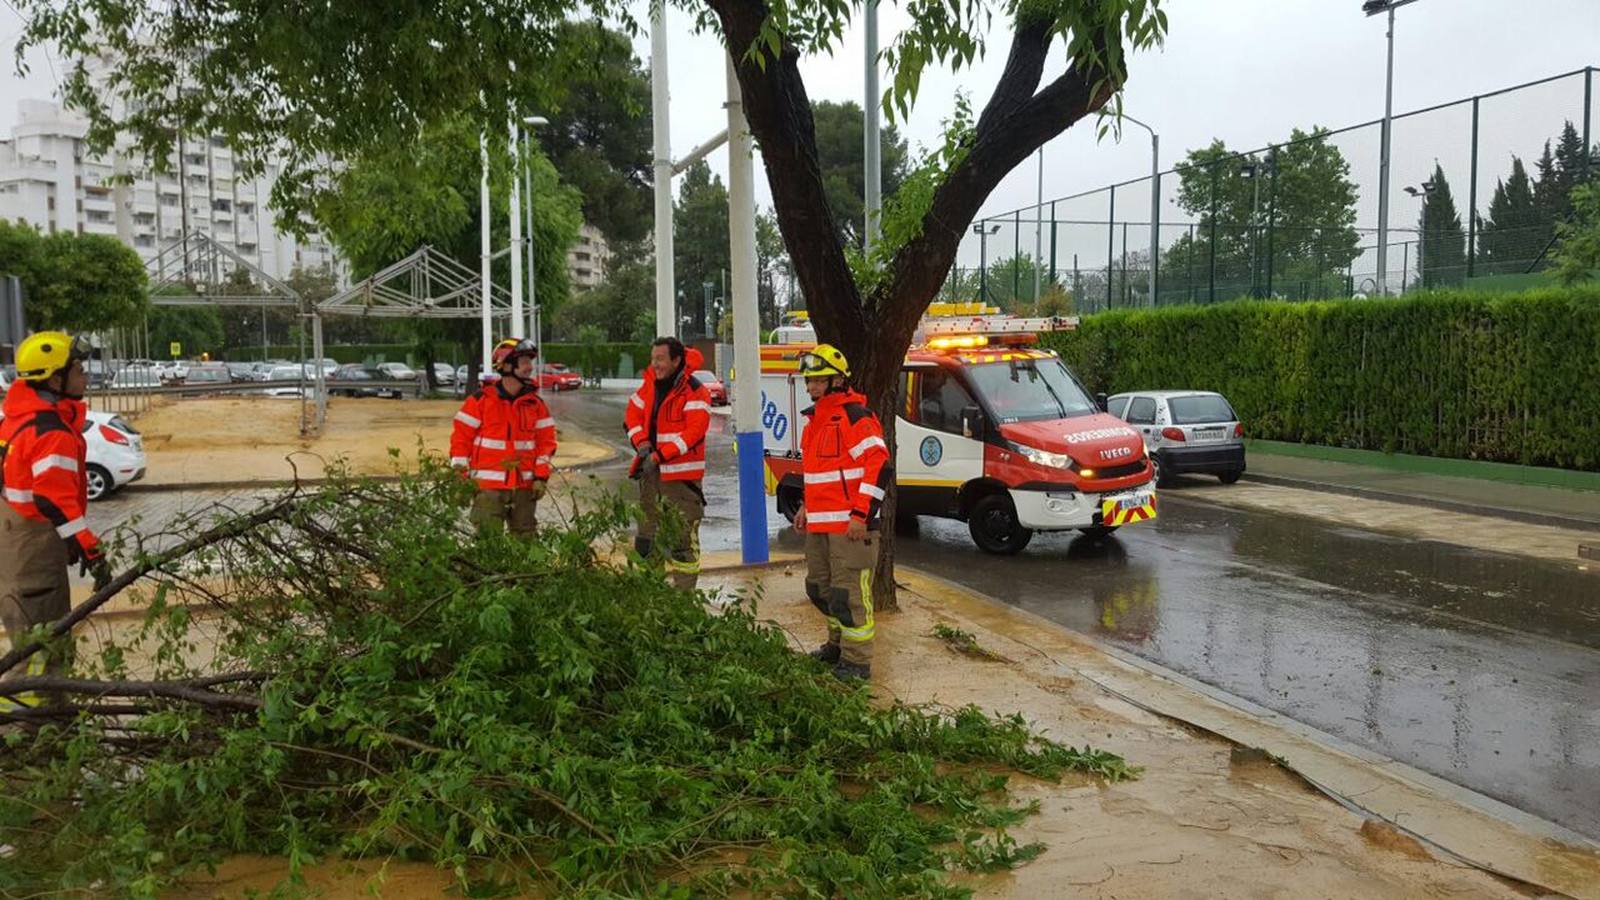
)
(428, 284)
(202, 267)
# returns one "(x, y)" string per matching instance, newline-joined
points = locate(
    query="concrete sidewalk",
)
(1496, 497)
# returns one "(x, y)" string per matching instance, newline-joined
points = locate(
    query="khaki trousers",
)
(33, 591)
(499, 510)
(839, 583)
(687, 502)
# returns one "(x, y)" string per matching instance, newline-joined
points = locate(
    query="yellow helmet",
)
(45, 353)
(822, 361)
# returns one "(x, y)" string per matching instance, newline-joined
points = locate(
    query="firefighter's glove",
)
(651, 465)
(101, 570)
(539, 488)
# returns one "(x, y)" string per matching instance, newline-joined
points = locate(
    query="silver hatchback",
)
(1185, 432)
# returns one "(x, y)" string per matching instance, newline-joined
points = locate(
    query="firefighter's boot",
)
(827, 653)
(848, 672)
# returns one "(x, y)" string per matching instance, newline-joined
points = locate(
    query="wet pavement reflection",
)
(1481, 668)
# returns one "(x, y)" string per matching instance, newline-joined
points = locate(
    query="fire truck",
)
(991, 430)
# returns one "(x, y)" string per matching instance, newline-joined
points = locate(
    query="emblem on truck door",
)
(931, 451)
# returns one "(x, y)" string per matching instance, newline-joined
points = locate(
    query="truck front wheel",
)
(994, 526)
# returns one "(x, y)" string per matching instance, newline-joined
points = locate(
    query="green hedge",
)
(610, 360)
(1505, 377)
(606, 360)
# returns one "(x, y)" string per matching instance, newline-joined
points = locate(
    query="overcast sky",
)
(1244, 70)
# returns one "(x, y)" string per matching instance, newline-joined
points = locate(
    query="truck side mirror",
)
(971, 422)
(1100, 401)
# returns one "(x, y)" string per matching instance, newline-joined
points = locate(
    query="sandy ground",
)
(251, 439)
(1481, 532)
(1208, 818)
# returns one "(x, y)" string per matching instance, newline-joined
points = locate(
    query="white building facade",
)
(49, 180)
(588, 258)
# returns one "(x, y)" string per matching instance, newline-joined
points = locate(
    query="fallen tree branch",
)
(172, 690)
(121, 582)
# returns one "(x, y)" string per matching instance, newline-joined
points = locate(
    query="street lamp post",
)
(1255, 171)
(534, 320)
(1373, 8)
(1155, 201)
(983, 230)
(1421, 193)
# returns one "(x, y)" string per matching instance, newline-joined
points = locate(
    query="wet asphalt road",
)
(1480, 668)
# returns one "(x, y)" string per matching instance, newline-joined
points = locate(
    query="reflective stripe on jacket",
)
(503, 441)
(45, 473)
(845, 462)
(680, 425)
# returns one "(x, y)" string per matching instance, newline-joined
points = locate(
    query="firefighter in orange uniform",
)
(847, 471)
(667, 419)
(42, 527)
(504, 439)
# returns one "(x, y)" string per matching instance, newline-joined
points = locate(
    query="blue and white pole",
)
(746, 330)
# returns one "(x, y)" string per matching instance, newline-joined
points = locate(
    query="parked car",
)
(240, 371)
(5, 379)
(115, 451)
(1185, 432)
(208, 374)
(714, 386)
(99, 373)
(348, 382)
(444, 374)
(286, 373)
(557, 377)
(134, 377)
(115, 454)
(172, 371)
(397, 371)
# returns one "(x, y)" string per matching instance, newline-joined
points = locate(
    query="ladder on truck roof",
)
(996, 324)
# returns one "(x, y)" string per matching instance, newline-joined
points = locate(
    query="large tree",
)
(700, 245)
(841, 146)
(74, 282)
(1514, 232)
(393, 199)
(1442, 257)
(1288, 214)
(343, 77)
(599, 132)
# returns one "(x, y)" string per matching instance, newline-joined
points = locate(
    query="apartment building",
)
(48, 179)
(587, 259)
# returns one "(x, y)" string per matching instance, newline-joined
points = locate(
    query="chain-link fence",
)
(1476, 189)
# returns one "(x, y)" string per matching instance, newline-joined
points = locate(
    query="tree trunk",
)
(875, 331)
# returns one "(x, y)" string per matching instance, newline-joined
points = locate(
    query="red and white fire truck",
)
(991, 430)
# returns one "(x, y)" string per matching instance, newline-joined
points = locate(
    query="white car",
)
(444, 374)
(1185, 432)
(397, 371)
(115, 453)
(136, 377)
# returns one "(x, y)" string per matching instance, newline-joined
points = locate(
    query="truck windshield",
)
(1027, 390)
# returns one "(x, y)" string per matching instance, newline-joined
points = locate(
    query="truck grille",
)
(1122, 471)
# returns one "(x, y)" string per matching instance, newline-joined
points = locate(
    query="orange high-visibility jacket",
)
(846, 463)
(678, 428)
(504, 441)
(44, 462)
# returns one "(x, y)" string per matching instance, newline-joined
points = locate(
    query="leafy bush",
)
(522, 714)
(1509, 378)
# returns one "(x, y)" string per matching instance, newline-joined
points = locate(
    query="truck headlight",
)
(1045, 458)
